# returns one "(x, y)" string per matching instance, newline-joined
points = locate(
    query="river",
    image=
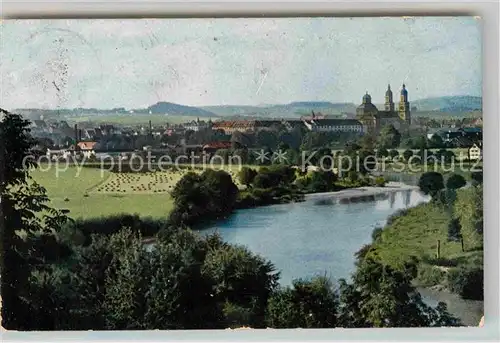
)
(320, 237)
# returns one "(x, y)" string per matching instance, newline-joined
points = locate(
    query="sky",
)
(135, 63)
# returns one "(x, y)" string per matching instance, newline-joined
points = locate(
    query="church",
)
(374, 120)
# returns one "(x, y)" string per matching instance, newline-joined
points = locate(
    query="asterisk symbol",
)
(262, 155)
(280, 156)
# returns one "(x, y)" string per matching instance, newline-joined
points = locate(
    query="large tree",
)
(211, 194)
(431, 183)
(381, 296)
(388, 138)
(29, 246)
(307, 304)
(469, 212)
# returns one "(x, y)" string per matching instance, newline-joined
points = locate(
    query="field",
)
(92, 192)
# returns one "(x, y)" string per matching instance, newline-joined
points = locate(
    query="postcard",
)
(224, 173)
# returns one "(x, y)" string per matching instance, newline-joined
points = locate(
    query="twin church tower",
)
(373, 120)
(404, 105)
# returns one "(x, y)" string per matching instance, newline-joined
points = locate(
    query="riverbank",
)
(360, 192)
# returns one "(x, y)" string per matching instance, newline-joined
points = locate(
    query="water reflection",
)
(316, 236)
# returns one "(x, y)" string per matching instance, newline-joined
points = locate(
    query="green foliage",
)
(307, 304)
(274, 176)
(29, 242)
(430, 275)
(223, 155)
(407, 154)
(247, 175)
(367, 142)
(380, 181)
(211, 194)
(323, 158)
(455, 181)
(469, 212)
(377, 233)
(436, 142)
(393, 153)
(477, 177)
(431, 183)
(382, 153)
(419, 142)
(444, 155)
(388, 138)
(367, 161)
(384, 297)
(468, 282)
(81, 230)
(454, 230)
(241, 279)
(321, 181)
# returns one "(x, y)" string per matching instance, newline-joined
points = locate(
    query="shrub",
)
(477, 177)
(393, 153)
(377, 233)
(431, 183)
(467, 282)
(407, 154)
(380, 181)
(236, 316)
(455, 181)
(429, 275)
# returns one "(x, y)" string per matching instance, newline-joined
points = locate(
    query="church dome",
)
(404, 91)
(367, 99)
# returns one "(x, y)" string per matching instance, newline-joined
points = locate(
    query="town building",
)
(198, 125)
(87, 149)
(251, 126)
(333, 125)
(475, 152)
(212, 147)
(374, 120)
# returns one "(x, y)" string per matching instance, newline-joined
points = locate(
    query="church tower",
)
(389, 104)
(404, 106)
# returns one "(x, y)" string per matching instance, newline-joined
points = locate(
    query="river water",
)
(320, 237)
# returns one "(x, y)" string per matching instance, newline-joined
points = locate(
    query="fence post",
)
(439, 249)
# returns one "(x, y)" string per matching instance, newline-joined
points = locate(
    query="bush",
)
(377, 233)
(236, 316)
(109, 225)
(455, 181)
(393, 153)
(431, 183)
(454, 230)
(380, 181)
(407, 154)
(477, 177)
(467, 282)
(429, 275)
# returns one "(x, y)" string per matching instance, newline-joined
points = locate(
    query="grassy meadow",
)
(92, 192)
(416, 235)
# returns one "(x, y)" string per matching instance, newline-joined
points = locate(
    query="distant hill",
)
(438, 106)
(291, 110)
(176, 109)
(455, 104)
(444, 105)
